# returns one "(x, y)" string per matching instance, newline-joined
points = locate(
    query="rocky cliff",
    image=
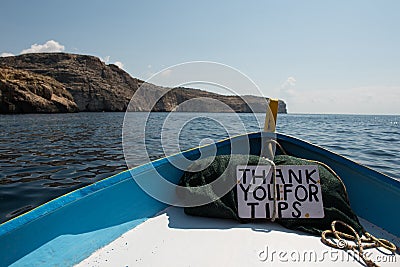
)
(26, 92)
(96, 86)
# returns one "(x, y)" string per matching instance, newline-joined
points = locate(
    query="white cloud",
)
(105, 59)
(119, 64)
(288, 87)
(48, 47)
(166, 73)
(290, 82)
(54, 46)
(6, 54)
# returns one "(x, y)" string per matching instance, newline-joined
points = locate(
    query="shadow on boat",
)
(177, 219)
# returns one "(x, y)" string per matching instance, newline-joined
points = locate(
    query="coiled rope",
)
(367, 241)
(360, 243)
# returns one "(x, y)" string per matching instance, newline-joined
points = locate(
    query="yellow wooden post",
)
(271, 116)
(270, 126)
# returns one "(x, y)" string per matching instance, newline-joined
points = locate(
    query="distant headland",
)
(62, 82)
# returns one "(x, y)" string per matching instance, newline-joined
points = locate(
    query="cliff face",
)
(200, 102)
(96, 86)
(93, 85)
(27, 92)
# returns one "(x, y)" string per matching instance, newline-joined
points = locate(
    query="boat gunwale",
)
(343, 160)
(75, 195)
(55, 204)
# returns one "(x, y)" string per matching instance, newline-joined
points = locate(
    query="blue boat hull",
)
(68, 229)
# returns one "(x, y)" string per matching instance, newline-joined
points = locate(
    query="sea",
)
(43, 156)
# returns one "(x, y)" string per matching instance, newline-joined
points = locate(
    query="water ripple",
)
(45, 156)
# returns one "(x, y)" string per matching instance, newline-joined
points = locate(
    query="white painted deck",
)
(175, 239)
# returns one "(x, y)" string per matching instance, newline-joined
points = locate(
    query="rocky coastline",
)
(63, 82)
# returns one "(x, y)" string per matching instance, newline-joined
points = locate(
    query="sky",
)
(318, 56)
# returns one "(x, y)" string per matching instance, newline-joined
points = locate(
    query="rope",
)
(361, 243)
(367, 241)
(275, 204)
(277, 144)
(334, 174)
(270, 161)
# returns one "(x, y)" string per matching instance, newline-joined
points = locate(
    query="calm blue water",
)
(45, 156)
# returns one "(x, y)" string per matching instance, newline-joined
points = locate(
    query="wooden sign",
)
(298, 191)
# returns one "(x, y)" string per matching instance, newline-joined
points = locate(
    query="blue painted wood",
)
(374, 196)
(68, 229)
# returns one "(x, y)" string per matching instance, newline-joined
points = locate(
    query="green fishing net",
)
(335, 200)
